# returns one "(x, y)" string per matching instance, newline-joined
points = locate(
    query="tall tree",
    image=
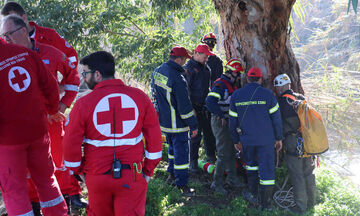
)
(257, 31)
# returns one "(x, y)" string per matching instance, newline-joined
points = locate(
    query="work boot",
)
(266, 197)
(36, 208)
(218, 188)
(194, 169)
(186, 191)
(170, 179)
(77, 201)
(253, 183)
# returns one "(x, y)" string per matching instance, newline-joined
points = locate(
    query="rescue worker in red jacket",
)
(29, 94)
(55, 61)
(42, 34)
(113, 122)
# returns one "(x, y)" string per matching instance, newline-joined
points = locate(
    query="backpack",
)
(313, 131)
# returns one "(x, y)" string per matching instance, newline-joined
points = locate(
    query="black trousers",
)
(204, 121)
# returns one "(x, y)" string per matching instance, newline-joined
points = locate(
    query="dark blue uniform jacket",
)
(261, 124)
(173, 104)
(218, 99)
(198, 79)
(216, 67)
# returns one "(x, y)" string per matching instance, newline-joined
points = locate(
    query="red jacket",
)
(91, 122)
(55, 61)
(28, 92)
(51, 37)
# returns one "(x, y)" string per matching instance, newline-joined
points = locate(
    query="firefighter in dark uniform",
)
(300, 167)
(255, 126)
(218, 103)
(198, 80)
(176, 115)
(214, 62)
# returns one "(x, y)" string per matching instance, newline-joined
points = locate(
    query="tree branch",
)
(137, 26)
(118, 33)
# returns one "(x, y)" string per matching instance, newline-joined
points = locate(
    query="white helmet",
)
(282, 80)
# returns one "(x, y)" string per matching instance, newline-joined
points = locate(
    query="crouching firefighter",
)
(300, 167)
(112, 121)
(218, 103)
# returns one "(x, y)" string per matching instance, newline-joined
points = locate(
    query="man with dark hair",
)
(41, 34)
(175, 114)
(14, 31)
(31, 93)
(255, 126)
(198, 79)
(118, 126)
(300, 168)
(214, 62)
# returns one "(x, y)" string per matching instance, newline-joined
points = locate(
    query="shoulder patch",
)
(71, 65)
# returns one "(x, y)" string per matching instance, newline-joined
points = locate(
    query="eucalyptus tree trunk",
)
(257, 32)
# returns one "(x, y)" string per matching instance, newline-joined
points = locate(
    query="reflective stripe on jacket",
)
(218, 99)
(261, 124)
(170, 92)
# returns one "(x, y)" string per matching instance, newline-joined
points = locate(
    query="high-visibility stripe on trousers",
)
(261, 159)
(179, 156)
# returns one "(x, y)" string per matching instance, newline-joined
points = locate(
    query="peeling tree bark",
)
(257, 32)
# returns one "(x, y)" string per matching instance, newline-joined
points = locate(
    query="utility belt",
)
(117, 168)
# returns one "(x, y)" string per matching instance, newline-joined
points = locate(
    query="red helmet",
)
(208, 36)
(235, 65)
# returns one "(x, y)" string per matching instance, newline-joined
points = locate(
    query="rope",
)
(284, 198)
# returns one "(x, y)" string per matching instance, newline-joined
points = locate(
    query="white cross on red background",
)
(19, 79)
(115, 114)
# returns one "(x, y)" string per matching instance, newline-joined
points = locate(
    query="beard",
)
(91, 83)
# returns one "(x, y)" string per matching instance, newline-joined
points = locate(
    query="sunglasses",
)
(86, 72)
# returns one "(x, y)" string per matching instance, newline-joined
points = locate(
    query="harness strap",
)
(230, 88)
(289, 96)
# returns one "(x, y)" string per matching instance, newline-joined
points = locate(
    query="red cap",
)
(203, 48)
(255, 72)
(179, 51)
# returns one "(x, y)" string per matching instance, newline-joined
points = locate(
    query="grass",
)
(336, 196)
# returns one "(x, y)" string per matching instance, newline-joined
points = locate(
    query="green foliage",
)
(140, 33)
(161, 197)
(337, 196)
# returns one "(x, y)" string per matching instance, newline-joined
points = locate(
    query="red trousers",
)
(68, 184)
(15, 162)
(119, 197)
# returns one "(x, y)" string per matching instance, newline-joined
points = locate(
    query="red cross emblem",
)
(115, 114)
(19, 79)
